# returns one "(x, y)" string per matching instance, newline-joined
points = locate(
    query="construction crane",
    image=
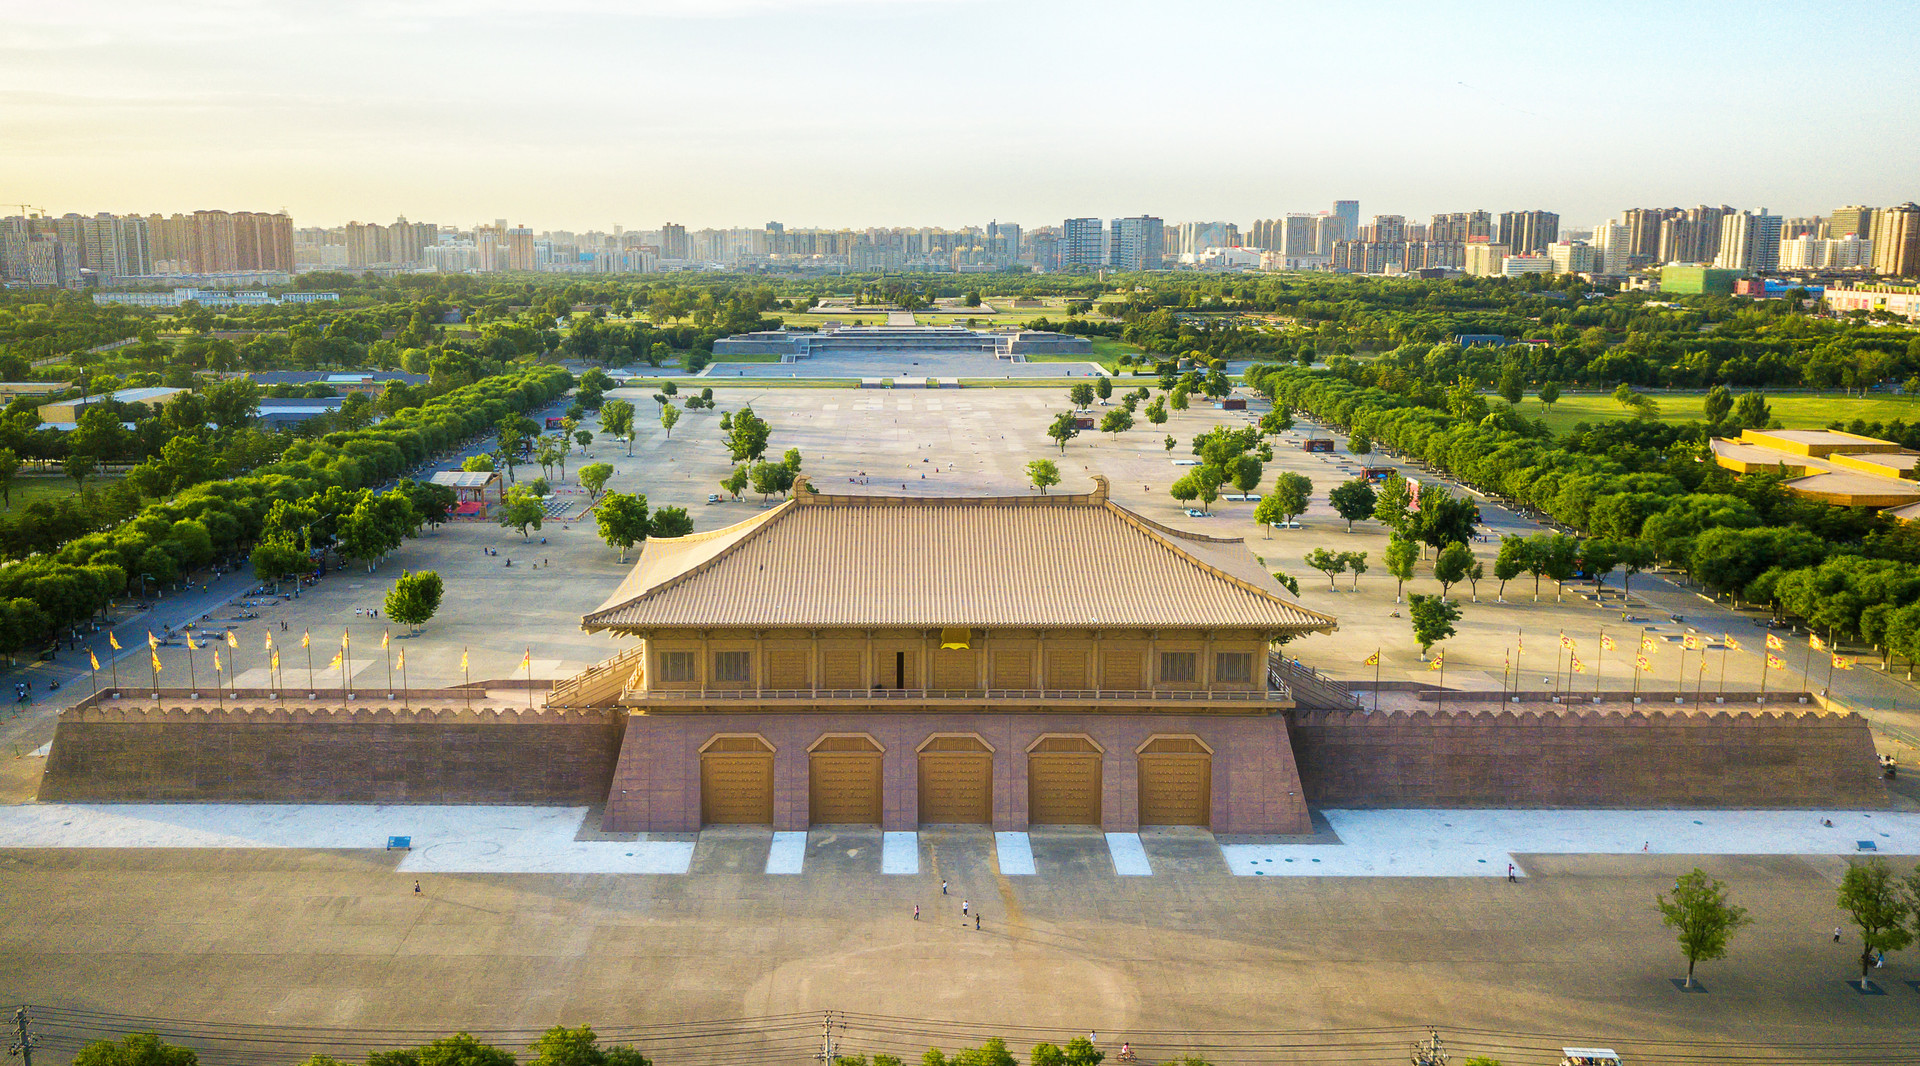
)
(24, 208)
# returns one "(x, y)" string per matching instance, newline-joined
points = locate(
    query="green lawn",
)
(1795, 411)
(28, 490)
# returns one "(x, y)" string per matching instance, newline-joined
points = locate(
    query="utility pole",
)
(1430, 1052)
(827, 1054)
(23, 1045)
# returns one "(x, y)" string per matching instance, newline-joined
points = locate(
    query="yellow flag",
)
(1606, 642)
(343, 638)
(233, 641)
(1439, 660)
(94, 659)
(526, 662)
(1566, 642)
(335, 662)
(216, 661)
(1690, 642)
(152, 642)
(191, 646)
(463, 660)
(275, 662)
(402, 658)
(112, 643)
(1774, 662)
(1842, 662)
(1578, 666)
(1643, 663)
(1816, 643)
(1775, 643)
(384, 637)
(155, 656)
(269, 644)
(1732, 644)
(1372, 660)
(306, 636)
(1647, 645)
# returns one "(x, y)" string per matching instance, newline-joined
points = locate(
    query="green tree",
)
(1169, 442)
(414, 598)
(668, 416)
(623, 520)
(583, 438)
(135, 1049)
(769, 478)
(1878, 906)
(9, 469)
(1359, 443)
(616, 420)
(593, 477)
(1081, 395)
(1718, 405)
(275, 561)
(1432, 618)
(1513, 383)
(1332, 564)
(1632, 557)
(1246, 473)
(1043, 473)
(1103, 387)
(1393, 502)
(1156, 411)
(736, 482)
(747, 438)
(1560, 560)
(1752, 411)
(1401, 553)
(1549, 394)
(1177, 399)
(670, 522)
(1702, 917)
(1356, 565)
(1078, 1052)
(1116, 421)
(521, 511)
(79, 468)
(1353, 500)
(1063, 429)
(461, 1049)
(560, 1046)
(1451, 565)
(478, 463)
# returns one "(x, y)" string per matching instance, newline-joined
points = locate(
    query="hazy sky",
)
(583, 114)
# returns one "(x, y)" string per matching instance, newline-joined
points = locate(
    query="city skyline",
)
(844, 113)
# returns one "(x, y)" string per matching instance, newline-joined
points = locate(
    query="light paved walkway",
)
(1393, 843)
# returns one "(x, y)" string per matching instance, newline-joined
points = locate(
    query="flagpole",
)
(1376, 680)
(1681, 679)
(1806, 663)
(406, 696)
(219, 689)
(1766, 653)
(1519, 650)
(113, 663)
(1599, 662)
(1440, 700)
(529, 677)
(466, 677)
(1721, 695)
(346, 661)
(1828, 687)
(1640, 653)
(1559, 655)
(1506, 672)
(386, 635)
(193, 682)
(93, 672)
(306, 641)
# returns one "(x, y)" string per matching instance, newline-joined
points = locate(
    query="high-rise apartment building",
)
(1852, 219)
(1896, 241)
(1529, 232)
(1820, 253)
(1386, 229)
(1612, 244)
(1571, 257)
(1083, 243)
(1643, 235)
(673, 241)
(1346, 220)
(1681, 241)
(1003, 241)
(1138, 243)
(210, 243)
(1750, 242)
(1299, 235)
(1484, 259)
(521, 254)
(1461, 226)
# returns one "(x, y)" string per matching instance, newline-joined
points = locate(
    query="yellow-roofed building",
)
(1844, 469)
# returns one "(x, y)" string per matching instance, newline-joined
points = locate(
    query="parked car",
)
(1195, 512)
(713, 497)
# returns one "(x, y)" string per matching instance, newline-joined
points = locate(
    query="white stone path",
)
(1394, 843)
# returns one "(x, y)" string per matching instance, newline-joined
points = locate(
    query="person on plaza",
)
(965, 906)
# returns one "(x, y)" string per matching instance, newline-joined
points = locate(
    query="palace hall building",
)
(897, 661)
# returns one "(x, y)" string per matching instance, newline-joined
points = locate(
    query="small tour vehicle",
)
(1588, 1056)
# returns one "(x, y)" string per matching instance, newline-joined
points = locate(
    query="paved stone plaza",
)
(899, 364)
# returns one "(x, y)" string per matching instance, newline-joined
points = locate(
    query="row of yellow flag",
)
(153, 651)
(1691, 642)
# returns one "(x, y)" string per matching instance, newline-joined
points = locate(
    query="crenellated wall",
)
(1543, 757)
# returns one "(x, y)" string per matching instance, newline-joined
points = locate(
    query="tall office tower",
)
(1750, 242)
(1083, 243)
(673, 241)
(1003, 241)
(1852, 219)
(1896, 241)
(1643, 232)
(1529, 232)
(1326, 233)
(520, 250)
(210, 243)
(1346, 216)
(1681, 242)
(1299, 235)
(1139, 243)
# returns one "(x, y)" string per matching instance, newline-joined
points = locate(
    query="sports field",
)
(1794, 410)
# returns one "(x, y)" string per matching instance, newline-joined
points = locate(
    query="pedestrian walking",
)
(416, 888)
(965, 906)
(1510, 878)
(916, 912)
(943, 886)
(1836, 934)
(976, 921)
